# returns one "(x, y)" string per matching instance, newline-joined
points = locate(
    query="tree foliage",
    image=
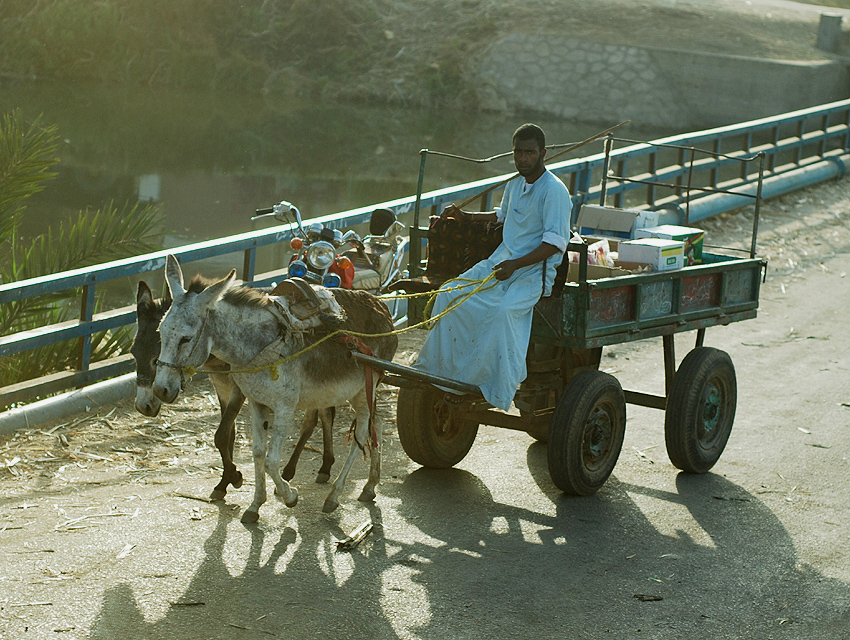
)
(27, 155)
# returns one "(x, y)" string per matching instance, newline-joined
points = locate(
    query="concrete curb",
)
(63, 405)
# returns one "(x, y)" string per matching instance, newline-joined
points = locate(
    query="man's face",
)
(528, 157)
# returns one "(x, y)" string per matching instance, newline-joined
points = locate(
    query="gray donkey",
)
(280, 366)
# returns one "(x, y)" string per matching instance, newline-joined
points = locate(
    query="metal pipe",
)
(415, 240)
(416, 374)
(827, 169)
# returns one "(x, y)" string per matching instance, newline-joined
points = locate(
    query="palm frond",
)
(27, 152)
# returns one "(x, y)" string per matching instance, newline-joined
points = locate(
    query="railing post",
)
(748, 144)
(801, 131)
(824, 128)
(86, 315)
(620, 195)
(582, 189)
(771, 165)
(249, 264)
(714, 172)
(652, 168)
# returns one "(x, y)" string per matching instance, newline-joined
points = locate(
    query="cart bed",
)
(607, 311)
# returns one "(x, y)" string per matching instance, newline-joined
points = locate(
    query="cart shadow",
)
(467, 565)
(724, 551)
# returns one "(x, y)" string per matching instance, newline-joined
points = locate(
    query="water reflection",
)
(210, 159)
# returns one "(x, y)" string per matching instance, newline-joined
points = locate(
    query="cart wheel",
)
(700, 409)
(587, 433)
(428, 430)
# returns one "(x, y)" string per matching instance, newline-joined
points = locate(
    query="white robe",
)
(484, 340)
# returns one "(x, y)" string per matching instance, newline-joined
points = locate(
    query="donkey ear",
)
(144, 295)
(174, 278)
(215, 291)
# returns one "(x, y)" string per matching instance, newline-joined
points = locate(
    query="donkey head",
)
(184, 331)
(145, 347)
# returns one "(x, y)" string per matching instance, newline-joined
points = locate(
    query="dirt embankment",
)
(406, 52)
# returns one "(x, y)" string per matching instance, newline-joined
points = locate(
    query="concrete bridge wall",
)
(574, 79)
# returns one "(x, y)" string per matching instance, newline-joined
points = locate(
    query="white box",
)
(691, 236)
(662, 255)
(610, 222)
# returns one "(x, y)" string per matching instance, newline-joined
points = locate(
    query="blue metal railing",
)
(790, 142)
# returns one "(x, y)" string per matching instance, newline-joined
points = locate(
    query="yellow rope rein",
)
(427, 322)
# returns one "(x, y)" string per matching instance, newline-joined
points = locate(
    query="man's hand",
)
(451, 211)
(505, 269)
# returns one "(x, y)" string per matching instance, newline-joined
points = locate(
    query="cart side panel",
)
(741, 286)
(625, 308)
(701, 292)
(612, 306)
(656, 299)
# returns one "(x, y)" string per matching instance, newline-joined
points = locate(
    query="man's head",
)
(529, 147)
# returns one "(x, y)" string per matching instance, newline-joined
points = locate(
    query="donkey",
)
(145, 351)
(243, 328)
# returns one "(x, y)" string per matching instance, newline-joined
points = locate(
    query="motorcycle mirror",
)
(351, 237)
(284, 209)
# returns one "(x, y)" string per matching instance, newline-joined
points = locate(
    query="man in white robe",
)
(485, 339)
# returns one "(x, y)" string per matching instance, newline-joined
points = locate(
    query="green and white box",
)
(691, 236)
(660, 254)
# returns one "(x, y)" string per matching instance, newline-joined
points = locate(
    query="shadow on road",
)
(448, 561)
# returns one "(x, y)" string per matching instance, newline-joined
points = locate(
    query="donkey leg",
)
(361, 437)
(308, 425)
(368, 493)
(225, 439)
(283, 489)
(259, 424)
(327, 417)
(230, 400)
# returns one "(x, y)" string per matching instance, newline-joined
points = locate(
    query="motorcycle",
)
(331, 258)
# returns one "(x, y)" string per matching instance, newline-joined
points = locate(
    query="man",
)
(484, 340)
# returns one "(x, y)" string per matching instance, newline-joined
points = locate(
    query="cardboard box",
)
(594, 272)
(691, 236)
(609, 222)
(663, 255)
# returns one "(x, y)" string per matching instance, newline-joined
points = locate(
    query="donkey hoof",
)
(289, 500)
(367, 495)
(217, 494)
(238, 481)
(322, 478)
(250, 516)
(330, 505)
(293, 499)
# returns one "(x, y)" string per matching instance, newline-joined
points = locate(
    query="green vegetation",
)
(411, 52)
(27, 154)
(291, 48)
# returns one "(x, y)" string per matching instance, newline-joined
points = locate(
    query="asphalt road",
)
(755, 549)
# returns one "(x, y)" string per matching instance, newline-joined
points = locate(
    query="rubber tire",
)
(700, 409)
(592, 401)
(422, 417)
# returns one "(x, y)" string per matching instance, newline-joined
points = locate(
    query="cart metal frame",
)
(579, 410)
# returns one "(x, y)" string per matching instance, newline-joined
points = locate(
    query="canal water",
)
(210, 159)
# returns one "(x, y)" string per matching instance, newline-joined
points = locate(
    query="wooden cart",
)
(581, 411)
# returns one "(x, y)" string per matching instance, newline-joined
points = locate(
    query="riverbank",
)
(410, 53)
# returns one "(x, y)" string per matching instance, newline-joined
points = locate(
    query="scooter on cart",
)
(328, 257)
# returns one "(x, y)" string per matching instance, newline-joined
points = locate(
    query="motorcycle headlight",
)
(297, 269)
(331, 280)
(321, 255)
